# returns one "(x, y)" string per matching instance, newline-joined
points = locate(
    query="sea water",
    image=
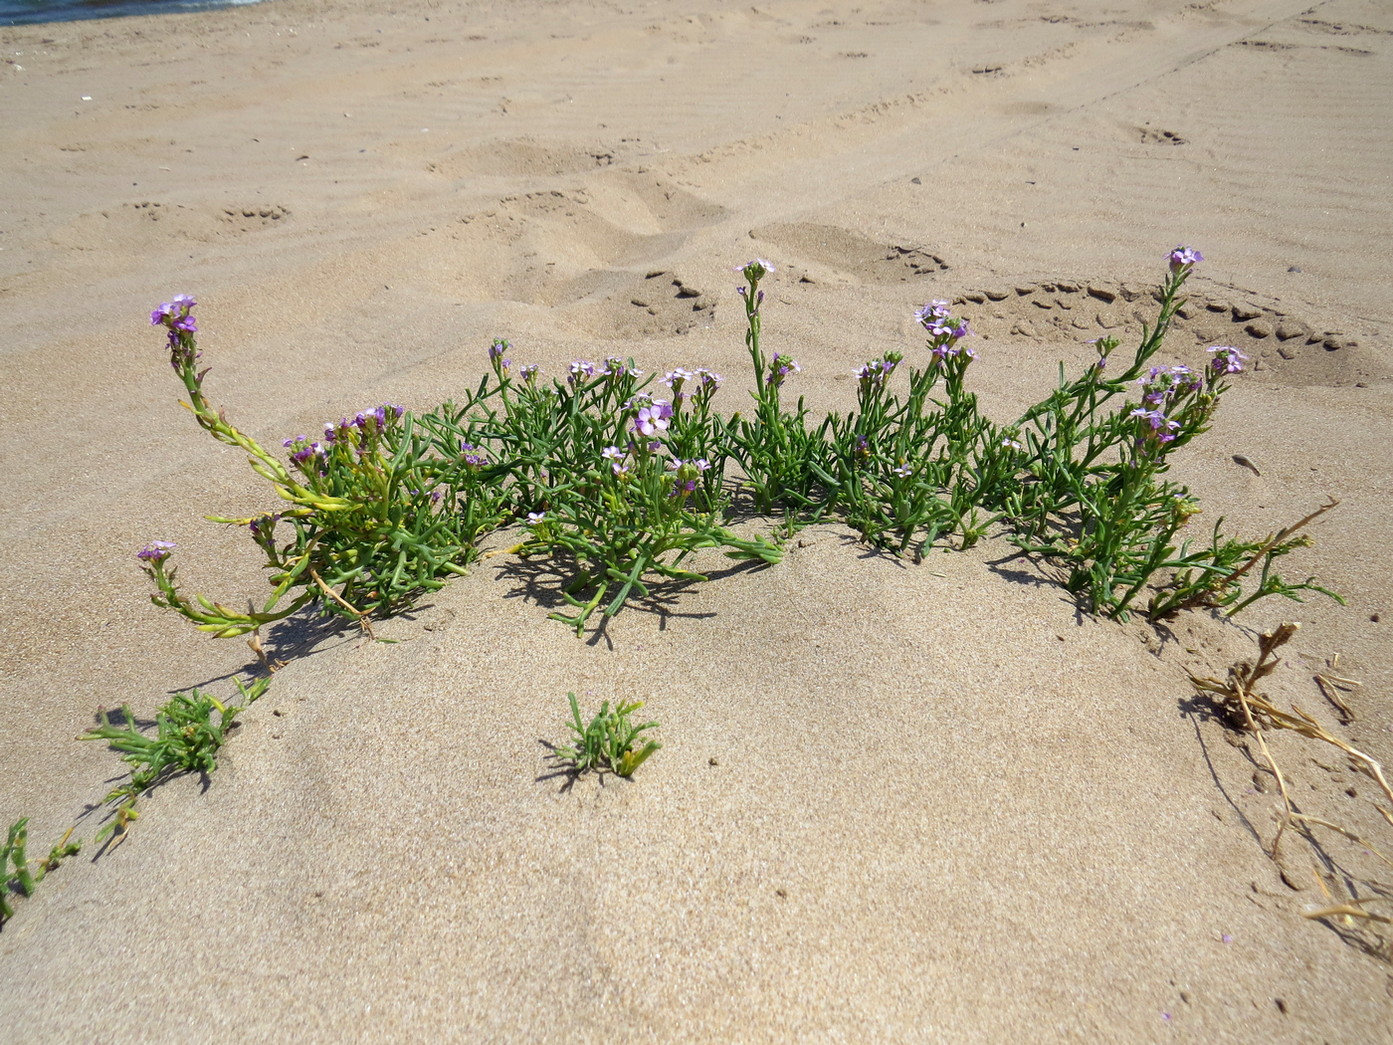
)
(29, 12)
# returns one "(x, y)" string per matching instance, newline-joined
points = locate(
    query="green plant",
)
(186, 740)
(609, 741)
(616, 486)
(15, 872)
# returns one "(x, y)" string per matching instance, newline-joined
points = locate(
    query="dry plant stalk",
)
(1253, 712)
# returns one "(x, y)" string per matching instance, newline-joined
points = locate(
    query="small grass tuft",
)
(610, 741)
(187, 738)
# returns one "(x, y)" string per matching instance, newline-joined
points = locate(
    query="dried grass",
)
(1252, 712)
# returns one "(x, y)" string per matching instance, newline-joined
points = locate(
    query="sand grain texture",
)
(895, 802)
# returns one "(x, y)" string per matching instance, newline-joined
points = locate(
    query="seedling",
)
(610, 741)
(15, 873)
(187, 738)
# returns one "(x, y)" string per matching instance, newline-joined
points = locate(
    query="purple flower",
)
(497, 349)
(175, 314)
(1012, 444)
(903, 470)
(780, 367)
(1183, 258)
(1227, 360)
(1163, 429)
(874, 373)
(755, 269)
(263, 525)
(616, 367)
(615, 457)
(1154, 418)
(156, 552)
(536, 518)
(177, 318)
(581, 369)
(473, 456)
(932, 313)
(653, 419)
(529, 372)
(301, 450)
(675, 378)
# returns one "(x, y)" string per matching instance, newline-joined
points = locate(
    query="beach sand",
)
(895, 802)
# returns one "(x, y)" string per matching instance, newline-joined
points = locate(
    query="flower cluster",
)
(497, 353)
(945, 332)
(706, 382)
(780, 367)
(687, 473)
(616, 458)
(1227, 360)
(156, 552)
(302, 451)
(474, 457)
(371, 422)
(176, 317)
(875, 373)
(581, 370)
(1162, 429)
(616, 368)
(1165, 384)
(754, 271)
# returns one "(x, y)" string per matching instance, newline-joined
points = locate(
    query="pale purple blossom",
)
(474, 457)
(616, 459)
(616, 367)
(536, 518)
(496, 352)
(653, 419)
(755, 269)
(904, 470)
(1183, 257)
(581, 369)
(156, 552)
(875, 373)
(176, 315)
(676, 377)
(931, 314)
(780, 367)
(1163, 429)
(1227, 360)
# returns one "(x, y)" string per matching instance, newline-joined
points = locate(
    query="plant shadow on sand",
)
(541, 581)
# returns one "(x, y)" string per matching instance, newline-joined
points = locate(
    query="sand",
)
(895, 801)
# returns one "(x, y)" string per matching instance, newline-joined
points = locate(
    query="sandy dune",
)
(895, 802)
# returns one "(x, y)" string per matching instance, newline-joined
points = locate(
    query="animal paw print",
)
(258, 216)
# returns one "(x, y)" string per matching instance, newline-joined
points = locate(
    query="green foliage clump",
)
(610, 741)
(186, 740)
(617, 482)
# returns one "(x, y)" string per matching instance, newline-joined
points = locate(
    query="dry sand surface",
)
(895, 802)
